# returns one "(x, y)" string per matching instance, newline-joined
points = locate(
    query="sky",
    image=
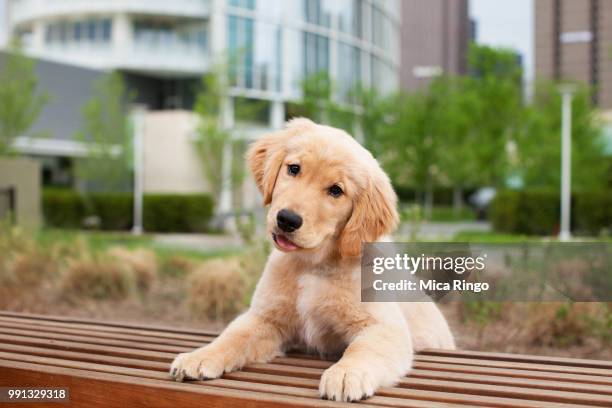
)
(506, 24)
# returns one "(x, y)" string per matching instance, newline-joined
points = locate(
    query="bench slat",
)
(93, 389)
(419, 398)
(572, 362)
(104, 323)
(104, 329)
(84, 350)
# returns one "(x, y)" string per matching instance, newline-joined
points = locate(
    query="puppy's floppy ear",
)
(265, 158)
(374, 214)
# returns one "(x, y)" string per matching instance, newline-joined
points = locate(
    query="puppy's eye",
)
(335, 191)
(293, 169)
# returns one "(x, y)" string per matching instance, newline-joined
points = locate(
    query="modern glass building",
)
(164, 47)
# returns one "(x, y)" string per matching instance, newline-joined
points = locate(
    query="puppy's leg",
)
(247, 339)
(378, 356)
(428, 326)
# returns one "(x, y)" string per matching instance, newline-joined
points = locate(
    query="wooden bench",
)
(113, 364)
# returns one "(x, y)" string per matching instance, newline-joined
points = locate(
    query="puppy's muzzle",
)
(288, 221)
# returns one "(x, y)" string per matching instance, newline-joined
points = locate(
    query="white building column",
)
(277, 114)
(37, 41)
(218, 27)
(122, 35)
(225, 200)
(138, 125)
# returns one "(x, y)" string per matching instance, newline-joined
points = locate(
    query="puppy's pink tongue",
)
(285, 243)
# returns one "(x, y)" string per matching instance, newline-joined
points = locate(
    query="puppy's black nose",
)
(288, 221)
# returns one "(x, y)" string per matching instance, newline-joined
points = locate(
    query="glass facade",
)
(254, 49)
(93, 30)
(182, 34)
(354, 41)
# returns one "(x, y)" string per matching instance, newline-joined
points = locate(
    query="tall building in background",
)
(434, 40)
(164, 46)
(573, 41)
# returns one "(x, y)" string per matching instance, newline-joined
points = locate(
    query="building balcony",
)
(155, 60)
(24, 11)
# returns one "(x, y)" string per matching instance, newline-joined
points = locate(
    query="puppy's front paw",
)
(346, 383)
(201, 364)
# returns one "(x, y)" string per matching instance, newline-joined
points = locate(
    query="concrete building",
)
(164, 47)
(434, 40)
(573, 41)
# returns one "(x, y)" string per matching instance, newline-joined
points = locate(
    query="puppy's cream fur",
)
(310, 297)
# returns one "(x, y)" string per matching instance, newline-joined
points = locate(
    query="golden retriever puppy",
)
(327, 196)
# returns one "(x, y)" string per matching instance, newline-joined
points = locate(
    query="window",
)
(316, 54)
(106, 29)
(92, 30)
(77, 30)
(255, 53)
(315, 12)
(349, 69)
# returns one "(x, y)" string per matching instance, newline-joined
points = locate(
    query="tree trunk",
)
(429, 199)
(457, 200)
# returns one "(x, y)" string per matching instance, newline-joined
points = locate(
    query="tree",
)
(20, 100)
(496, 110)
(458, 144)
(411, 142)
(211, 135)
(107, 133)
(539, 146)
(318, 103)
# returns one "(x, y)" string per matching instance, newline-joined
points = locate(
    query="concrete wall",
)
(23, 175)
(171, 164)
(69, 89)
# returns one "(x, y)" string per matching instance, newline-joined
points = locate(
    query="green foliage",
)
(494, 111)
(539, 145)
(481, 312)
(115, 210)
(525, 212)
(20, 100)
(172, 212)
(318, 103)
(106, 131)
(536, 212)
(211, 135)
(162, 212)
(594, 212)
(62, 208)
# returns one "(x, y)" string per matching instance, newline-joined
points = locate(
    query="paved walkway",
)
(443, 230)
(198, 242)
(207, 242)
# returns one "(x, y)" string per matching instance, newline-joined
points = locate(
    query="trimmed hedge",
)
(536, 212)
(161, 212)
(63, 208)
(173, 212)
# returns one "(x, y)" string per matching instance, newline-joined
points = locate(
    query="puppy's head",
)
(326, 192)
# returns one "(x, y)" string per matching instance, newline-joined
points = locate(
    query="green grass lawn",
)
(438, 213)
(498, 238)
(101, 240)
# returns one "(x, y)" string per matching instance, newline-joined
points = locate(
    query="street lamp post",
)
(138, 129)
(567, 92)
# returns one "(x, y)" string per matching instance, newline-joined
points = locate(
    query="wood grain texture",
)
(120, 364)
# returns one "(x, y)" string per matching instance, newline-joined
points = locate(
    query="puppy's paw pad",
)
(197, 365)
(341, 383)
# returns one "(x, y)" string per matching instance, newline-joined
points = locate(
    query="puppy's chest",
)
(327, 310)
